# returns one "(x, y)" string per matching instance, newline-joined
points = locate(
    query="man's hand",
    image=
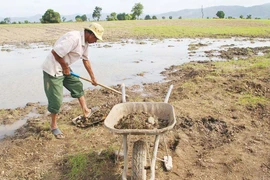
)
(66, 71)
(94, 82)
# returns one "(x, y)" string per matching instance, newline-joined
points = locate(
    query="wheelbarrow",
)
(162, 110)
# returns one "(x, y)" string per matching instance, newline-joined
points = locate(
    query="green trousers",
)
(53, 87)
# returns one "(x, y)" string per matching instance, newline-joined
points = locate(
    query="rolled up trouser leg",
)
(74, 85)
(53, 87)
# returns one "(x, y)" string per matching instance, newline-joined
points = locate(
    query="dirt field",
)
(21, 34)
(222, 130)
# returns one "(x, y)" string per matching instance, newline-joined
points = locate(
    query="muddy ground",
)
(217, 135)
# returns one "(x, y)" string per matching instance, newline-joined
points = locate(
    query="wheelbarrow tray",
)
(160, 110)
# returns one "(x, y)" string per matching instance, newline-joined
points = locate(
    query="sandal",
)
(82, 119)
(57, 133)
(93, 110)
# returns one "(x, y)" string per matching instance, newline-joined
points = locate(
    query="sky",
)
(27, 8)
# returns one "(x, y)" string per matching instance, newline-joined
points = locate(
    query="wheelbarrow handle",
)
(78, 76)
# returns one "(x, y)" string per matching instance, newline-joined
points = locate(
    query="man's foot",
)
(57, 133)
(93, 110)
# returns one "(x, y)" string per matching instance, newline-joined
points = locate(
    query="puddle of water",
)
(9, 130)
(21, 74)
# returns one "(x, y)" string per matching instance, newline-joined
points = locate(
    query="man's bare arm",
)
(88, 67)
(66, 70)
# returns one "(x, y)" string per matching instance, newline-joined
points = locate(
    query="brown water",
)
(113, 63)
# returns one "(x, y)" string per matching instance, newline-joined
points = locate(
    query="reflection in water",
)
(113, 63)
(9, 130)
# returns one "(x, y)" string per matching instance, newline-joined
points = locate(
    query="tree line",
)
(221, 15)
(50, 16)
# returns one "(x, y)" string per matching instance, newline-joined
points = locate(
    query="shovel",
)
(76, 75)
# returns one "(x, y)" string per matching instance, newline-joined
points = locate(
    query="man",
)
(69, 48)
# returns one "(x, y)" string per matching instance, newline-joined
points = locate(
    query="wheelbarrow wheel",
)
(139, 160)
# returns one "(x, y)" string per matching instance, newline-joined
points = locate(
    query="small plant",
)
(78, 166)
(251, 100)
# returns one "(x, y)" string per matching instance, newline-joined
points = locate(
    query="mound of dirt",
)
(141, 120)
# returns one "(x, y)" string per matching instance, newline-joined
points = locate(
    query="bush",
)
(50, 17)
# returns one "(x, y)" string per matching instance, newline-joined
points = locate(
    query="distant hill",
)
(258, 11)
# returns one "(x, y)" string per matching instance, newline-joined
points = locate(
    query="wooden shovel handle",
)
(107, 87)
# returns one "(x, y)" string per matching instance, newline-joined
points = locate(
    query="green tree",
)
(84, 17)
(147, 17)
(78, 18)
(137, 10)
(128, 17)
(97, 13)
(220, 14)
(170, 17)
(163, 17)
(7, 20)
(64, 19)
(154, 17)
(109, 18)
(249, 16)
(133, 17)
(121, 16)
(241, 17)
(112, 17)
(50, 17)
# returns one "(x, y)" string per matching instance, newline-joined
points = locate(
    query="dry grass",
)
(117, 30)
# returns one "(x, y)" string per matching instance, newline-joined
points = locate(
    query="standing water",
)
(113, 63)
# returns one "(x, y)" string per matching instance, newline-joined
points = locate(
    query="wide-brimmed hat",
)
(97, 29)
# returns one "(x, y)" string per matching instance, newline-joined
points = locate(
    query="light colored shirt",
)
(71, 47)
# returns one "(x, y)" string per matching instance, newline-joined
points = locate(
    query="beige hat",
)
(97, 29)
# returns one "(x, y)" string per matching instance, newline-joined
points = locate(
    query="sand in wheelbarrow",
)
(141, 120)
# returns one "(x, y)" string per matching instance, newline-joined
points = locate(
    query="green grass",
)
(189, 86)
(252, 67)
(203, 28)
(241, 74)
(265, 63)
(161, 31)
(181, 32)
(251, 100)
(78, 166)
(91, 165)
(253, 64)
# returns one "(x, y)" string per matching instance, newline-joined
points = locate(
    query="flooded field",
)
(130, 62)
